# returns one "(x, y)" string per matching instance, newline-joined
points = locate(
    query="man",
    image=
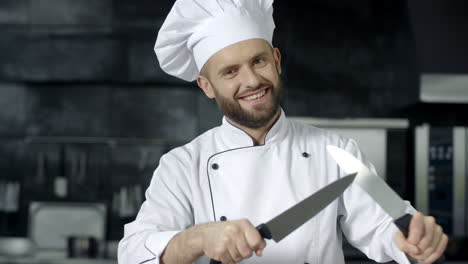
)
(206, 197)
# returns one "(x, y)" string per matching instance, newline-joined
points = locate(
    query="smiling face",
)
(244, 79)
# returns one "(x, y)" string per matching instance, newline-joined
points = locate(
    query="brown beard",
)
(233, 110)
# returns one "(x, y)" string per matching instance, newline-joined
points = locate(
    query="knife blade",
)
(377, 188)
(285, 223)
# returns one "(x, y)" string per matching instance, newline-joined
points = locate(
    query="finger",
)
(227, 259)
(425, 254)
(404, 245)
(416, 228)
(253, 238)
(439, 250)
(244, 249)
(226, 256)
(438, 232)
(422, 258)
(231, 254)
(234, 254)
(221, 252)
(437, 235)
(256, 243)
(234, 233)
(430, 231)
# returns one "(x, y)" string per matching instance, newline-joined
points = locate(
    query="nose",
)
(251, 78)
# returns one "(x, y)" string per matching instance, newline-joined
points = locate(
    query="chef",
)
(206, 197)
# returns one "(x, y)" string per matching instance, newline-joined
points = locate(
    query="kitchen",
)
(87, 113)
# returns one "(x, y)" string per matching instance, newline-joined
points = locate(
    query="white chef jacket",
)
(222, 175)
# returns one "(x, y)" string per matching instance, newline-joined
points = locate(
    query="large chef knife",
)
(376, 187)
(294, 217)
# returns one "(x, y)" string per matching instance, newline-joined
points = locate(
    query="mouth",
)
(254, 96)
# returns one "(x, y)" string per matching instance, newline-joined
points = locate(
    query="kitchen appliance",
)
(53, 224)
(82, 247)
(441, 176)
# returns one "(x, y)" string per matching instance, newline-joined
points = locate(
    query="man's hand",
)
(228, 242)
(231, 241)
(426, 241)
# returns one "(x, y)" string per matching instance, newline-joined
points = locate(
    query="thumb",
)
(403, 244)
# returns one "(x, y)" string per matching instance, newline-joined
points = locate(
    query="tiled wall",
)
(86, 69)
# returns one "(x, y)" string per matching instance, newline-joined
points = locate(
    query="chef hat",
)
(194, 30)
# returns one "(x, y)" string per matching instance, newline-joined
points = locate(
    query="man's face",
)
(244, 79)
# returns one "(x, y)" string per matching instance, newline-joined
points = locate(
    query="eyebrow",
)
(230, 66)
(225, 68)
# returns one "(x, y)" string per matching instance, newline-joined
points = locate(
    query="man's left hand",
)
(426, 241)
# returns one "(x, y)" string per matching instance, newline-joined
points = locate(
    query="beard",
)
(260, 116)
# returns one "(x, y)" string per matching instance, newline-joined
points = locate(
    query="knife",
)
(294, 217)
(377, 188)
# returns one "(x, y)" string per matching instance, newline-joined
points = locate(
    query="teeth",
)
(255, 96)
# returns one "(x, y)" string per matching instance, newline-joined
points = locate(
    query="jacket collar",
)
(235, 137)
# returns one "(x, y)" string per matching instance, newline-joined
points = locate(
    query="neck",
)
(258, 134)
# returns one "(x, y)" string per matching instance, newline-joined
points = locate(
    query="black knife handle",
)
(403, 224)
(264, 233)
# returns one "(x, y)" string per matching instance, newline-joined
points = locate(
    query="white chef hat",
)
(194, 30)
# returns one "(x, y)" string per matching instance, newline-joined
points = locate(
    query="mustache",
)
(262, 86)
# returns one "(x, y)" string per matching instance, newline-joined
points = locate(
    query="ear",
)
(205, 85)
(277, 56)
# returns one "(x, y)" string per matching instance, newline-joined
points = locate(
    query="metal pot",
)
(82, 247)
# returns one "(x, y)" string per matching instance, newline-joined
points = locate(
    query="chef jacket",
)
(221, 175)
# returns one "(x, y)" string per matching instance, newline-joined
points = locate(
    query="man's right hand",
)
(228, 242)
(231, 241)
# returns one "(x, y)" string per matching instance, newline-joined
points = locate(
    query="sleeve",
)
(365, 224)
(166, 211)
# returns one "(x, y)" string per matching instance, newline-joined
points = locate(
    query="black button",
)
(223, 218)
(305, 154)
(214, 166)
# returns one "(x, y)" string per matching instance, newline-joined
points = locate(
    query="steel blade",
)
(375, 186)
(291, 219)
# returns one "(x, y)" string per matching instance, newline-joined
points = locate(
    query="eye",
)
(228, 73)
(259, 61)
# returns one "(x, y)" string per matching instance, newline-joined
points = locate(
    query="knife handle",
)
(264, 233)
(403, 224)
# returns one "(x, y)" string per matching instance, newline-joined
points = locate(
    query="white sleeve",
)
(166, 211)
(365, 224)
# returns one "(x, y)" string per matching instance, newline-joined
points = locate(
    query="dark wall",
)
(440, 30)
(81, 75)
(356, 56)
(347, 58)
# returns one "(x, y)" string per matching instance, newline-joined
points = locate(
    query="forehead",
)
(238, 53)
